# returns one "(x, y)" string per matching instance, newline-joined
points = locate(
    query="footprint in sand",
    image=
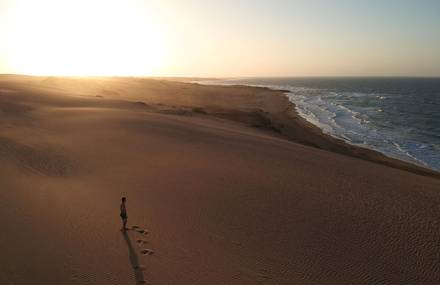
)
(139, 267)
(147, 252)
(141, 242)
(141, 231)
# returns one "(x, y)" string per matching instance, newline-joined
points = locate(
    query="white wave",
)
(407, 153)
(328, 110)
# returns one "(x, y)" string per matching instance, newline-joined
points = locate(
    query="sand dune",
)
(224, 185)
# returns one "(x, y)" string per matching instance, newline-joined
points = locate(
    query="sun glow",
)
(84, 37)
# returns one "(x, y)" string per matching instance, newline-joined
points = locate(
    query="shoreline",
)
(280, 119)
(316, 137)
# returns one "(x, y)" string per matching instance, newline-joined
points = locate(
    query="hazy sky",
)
(220, 38)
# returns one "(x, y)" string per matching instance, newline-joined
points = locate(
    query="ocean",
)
(399, 117)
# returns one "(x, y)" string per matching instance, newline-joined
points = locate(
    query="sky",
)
(207, 38)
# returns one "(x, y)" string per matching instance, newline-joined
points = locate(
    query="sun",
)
(84, 37)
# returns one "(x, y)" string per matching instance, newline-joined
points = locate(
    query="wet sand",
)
(227, 185)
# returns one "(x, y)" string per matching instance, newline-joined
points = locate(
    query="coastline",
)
(332, 143)
(291, 125)
(280, 119)
(316, 137)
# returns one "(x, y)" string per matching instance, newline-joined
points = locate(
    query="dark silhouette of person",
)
(123, 214)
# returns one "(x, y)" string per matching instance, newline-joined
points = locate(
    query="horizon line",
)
(226, 77)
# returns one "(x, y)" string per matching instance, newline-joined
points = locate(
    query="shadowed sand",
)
(233, 187)
(134, 260)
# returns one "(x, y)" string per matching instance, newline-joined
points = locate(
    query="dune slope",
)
(219, 202)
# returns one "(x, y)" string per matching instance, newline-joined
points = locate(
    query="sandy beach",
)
(224, 185)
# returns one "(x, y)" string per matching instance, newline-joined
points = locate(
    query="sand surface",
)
(224, 185)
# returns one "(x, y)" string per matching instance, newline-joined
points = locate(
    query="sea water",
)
(399, 117)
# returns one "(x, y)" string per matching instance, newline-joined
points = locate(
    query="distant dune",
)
(224, 185)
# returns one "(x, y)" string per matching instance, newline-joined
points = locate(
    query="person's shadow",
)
(134, 260)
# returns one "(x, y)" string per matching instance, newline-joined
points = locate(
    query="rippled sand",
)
(218, 191)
